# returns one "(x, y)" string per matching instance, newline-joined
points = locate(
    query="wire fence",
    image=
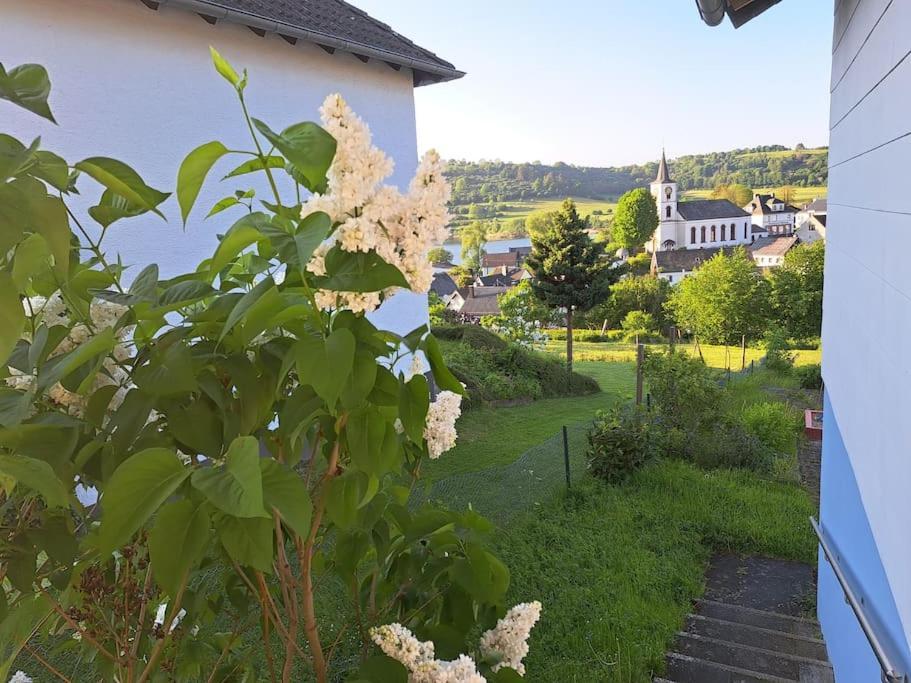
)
(501, 493)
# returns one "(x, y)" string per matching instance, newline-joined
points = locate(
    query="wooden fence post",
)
(743, 353)
(673, 337)
(640, 357)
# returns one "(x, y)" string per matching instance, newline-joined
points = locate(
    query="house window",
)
(693, 235)
(703, 234)
(667, 212)
(745, 230)
(714, 234)
(670, 278)
(724, 230)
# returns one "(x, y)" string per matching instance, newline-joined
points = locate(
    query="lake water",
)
(493, 247)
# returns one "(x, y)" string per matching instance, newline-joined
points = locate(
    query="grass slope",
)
(800, 196)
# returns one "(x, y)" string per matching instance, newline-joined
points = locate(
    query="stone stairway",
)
(749, 628)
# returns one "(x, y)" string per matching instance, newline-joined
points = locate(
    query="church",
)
(696, 224)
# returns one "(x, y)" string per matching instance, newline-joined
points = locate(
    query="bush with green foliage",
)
(730, 445)
(244, 426)
(639, 326)
(493, 369)
(774, 423)
(684, 391)
(777, 355)
(621, 440)
(809, 376)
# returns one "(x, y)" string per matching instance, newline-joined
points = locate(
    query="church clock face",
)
(667, 193)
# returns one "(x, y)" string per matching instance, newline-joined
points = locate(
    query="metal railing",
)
(891, 673)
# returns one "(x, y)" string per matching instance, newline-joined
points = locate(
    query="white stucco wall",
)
(138, 85)
(867, 309)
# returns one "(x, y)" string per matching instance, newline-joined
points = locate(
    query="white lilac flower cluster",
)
(506, 644)
(53, 311)
(20, 677)
(439, 430)
(508, 640)
(398, 642)
(400, 228)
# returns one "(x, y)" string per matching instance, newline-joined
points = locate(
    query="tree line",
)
(477, 182)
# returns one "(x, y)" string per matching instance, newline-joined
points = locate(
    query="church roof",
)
(679, 260)
(664, 175)
(709, 209)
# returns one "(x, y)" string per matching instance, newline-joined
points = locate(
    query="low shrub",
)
(639, 326)
(493, 369)
(684, 391)
(773, 423)
(777, 356)
(809, 376)
(620, 442)
(730, 445)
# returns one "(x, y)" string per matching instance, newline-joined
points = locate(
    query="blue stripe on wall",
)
(844, 518)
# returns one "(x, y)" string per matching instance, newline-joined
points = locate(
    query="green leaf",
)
(365, 433)
(241, 235)
(49, 218)
(235, 488)
(414, 401)
(146, 283)
(311, 232)
(32, 258)
(247, 301)
(28, 86)
(14, 406)
(136, 490)
(382, 669)
(112, 207)
(361, 379)
(255, 165)
(307, 146)
(168, 373)
(12, 317)
(193, 172)
(177, 543)
(222, 205)
(184, 293)
(359, 272)
(441, 374)
(124, 181)
(36, 475)
(285, 491)
(326, 365)
(343, 498)
(16, 157)
(249, 542)
(24, 619)
(226, 70)
(52, 169)
(197, 427)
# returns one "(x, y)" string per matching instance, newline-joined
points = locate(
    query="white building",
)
(697, 224)
(771, 215)
(133, 79)
(810, 222)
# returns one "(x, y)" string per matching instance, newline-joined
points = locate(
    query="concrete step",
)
(754, 636)
(686, 669)
(754, 659)
(773, 621)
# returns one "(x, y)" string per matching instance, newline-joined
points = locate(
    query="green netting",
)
(500, 493)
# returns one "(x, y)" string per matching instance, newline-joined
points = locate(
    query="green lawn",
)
(496, 436)
(522, 209)
(715, 356)
(617, 567)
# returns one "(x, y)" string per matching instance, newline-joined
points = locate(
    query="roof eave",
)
(425, 72)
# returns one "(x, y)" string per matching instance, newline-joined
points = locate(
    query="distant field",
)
(802, 195)
(522, 209)
(783, 154)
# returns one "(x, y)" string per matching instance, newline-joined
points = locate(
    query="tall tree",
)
(722, 300)
(569, 270)
(635, 219)
(795, 294)
(474, 241)
(738, 194)
(439, 255)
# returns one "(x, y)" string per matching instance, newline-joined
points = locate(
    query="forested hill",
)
(768, 166)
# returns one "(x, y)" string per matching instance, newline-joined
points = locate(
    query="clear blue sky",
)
(607, 82)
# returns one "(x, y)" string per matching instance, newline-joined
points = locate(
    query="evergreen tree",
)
(569, 271)
(635, 219)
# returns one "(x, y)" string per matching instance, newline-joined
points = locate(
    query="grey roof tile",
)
(709, 209)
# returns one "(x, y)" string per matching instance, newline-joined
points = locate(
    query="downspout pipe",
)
(712, 11)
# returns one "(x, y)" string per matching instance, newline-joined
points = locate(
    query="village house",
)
(129, 65)
(810, 221)
(771, 215)
(476, 302)
(769, 252)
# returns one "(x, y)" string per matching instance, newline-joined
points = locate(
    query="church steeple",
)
(663, 175)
